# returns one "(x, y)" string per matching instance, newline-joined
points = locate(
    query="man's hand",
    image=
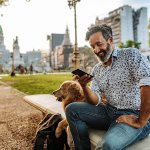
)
(131, 120)
(84, 80)
(90, 96)
(144, 115)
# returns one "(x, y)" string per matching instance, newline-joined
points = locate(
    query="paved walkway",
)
(18, 120)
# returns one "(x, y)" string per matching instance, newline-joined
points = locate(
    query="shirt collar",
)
(116, 52)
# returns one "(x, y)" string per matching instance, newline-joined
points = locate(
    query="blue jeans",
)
(81, 116)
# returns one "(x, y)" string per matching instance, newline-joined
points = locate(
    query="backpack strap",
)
(48, 121)
(46, 130)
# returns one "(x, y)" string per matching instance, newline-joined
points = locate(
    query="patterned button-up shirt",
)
(122, 80)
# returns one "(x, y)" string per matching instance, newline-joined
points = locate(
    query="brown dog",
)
(69, 91)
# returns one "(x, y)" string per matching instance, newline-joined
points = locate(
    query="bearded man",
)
(123, 75)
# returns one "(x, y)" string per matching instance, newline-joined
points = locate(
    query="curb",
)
(5, 84)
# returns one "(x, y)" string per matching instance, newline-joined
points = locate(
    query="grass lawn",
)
(37, 84)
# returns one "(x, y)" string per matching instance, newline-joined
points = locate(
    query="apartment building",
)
(128, 24)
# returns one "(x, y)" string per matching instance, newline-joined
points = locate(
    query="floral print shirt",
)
(122, 80)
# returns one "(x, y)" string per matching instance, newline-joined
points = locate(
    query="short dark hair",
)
(104, 29)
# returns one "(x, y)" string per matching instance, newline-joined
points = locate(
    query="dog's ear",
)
(73, 87)
(75, 90)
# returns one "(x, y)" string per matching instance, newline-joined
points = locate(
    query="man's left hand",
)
(130, 120)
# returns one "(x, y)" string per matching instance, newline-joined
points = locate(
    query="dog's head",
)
(68, 92)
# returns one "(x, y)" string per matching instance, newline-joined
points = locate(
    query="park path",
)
(18, 120)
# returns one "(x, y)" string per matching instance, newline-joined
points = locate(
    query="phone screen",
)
(80, 73)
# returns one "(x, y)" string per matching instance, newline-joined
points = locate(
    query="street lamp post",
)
(76, 55)
(49, 38)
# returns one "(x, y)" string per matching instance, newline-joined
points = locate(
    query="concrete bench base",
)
(47, 104)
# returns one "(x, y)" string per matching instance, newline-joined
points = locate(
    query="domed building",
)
(2, 46)
(4, 54)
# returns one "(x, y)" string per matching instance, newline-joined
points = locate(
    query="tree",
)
(121, 45)
(3, 2)
(6, 2)
(88, 57)
(129, 43)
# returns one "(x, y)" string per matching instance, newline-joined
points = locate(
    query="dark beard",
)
(104, 55)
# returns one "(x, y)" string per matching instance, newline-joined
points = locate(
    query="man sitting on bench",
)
(124, 76)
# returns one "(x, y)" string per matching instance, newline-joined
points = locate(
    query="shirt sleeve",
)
(95, 86)
(139, 67)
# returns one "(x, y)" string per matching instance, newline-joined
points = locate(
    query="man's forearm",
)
(90, 96)
(145, 105)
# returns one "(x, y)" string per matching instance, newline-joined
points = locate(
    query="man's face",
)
(101, 47)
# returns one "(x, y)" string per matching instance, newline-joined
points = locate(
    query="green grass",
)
(37, 84)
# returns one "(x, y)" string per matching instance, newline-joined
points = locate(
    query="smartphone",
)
(80, 73)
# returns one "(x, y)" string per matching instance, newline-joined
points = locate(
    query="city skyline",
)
(33, 21)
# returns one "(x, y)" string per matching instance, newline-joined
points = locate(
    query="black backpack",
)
(45, 135)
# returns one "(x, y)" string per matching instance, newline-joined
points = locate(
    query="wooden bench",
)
(47, 104)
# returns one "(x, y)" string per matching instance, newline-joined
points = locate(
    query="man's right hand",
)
(84, 80)
(90, 96)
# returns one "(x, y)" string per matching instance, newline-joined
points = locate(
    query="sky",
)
(33, 21)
